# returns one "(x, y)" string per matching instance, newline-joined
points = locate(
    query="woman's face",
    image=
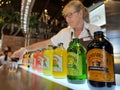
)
(9, 54)
(6, 48)
(73, 18)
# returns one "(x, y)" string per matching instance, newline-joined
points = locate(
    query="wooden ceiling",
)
(54, 7)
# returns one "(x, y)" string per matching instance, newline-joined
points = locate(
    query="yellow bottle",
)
(60, 62)
(25, 59)
(48, 60)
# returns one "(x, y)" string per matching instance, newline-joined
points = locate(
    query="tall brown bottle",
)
(100, 62)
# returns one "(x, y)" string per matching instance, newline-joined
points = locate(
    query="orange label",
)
(100, 65)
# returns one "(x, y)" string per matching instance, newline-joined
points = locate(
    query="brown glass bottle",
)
(100, 62)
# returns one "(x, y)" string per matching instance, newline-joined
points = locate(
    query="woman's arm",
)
(35, 46)
(39, 45)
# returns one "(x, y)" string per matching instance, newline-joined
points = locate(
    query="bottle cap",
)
(98, 33)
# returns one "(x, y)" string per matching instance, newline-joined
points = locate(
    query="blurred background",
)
(31, 21)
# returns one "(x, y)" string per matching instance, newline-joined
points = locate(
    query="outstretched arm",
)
(39, 45)
(35, 46)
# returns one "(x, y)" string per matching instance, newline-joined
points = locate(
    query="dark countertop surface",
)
(24, 80)
(28, 80)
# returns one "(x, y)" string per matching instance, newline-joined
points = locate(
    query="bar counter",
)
(24, 80)
(28, 79)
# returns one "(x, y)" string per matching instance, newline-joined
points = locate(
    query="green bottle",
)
(76, 65)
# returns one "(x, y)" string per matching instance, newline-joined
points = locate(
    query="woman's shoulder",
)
(65, 30)
(2, 57)
(93, 27)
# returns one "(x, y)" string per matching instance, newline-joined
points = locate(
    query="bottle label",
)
(74, 64)
(34, 62)
(100, 66)
(57, 63)
(46, 63)
(40, 62)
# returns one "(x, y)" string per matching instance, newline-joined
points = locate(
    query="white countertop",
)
(64, 82)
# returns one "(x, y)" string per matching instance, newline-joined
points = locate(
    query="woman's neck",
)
(78, 30)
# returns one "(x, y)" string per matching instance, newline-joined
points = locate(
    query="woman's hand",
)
(19, 53)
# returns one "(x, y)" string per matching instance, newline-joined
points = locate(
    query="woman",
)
(77, 17)
(6, 57)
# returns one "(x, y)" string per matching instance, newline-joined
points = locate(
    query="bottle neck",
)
(60, 45)
(78, 46)
(76, 40)
(99, 37)
(50, 47)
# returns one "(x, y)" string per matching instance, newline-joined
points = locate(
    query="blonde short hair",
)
(77, 6)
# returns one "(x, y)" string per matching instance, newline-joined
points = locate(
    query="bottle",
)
(31, 59)
(34, 66)
(100, 61)
(76, 66)
(13, 65)
(25, 59)
(60, 62)
(48, 60)
(29, 54)
(38, 60)
(40, 57)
